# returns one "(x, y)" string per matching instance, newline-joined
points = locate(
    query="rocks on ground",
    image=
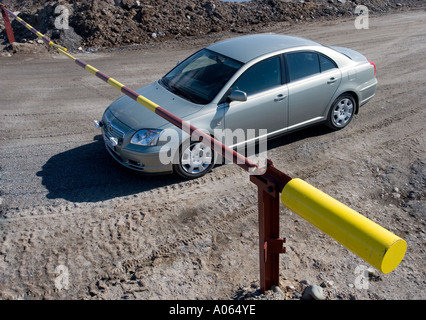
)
(112, 23)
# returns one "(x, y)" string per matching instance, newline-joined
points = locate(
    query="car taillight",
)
(373, 64)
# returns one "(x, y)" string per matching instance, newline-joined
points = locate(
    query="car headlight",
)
(146, 137)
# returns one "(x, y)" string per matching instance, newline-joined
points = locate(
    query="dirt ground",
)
(76, 225)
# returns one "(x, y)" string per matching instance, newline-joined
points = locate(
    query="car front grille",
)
(112, 128)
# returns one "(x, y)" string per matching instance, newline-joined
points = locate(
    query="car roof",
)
(249, 47)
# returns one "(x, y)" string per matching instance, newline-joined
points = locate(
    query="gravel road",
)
(76, 225)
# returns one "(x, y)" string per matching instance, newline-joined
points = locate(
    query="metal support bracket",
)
(270, 244)
(273, 246)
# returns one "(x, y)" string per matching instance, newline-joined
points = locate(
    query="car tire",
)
(341, 112)
(194, 161)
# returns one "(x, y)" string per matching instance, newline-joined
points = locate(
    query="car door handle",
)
(332, 80)
(280, 97)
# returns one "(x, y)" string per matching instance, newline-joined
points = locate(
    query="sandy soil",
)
(76, 225)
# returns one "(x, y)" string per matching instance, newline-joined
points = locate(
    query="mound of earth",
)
(112, 23)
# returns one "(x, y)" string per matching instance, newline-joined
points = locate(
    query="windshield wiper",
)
(166, 85)
(184, 94)
(178, 91)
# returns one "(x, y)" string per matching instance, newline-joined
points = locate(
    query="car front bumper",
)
(146, 159)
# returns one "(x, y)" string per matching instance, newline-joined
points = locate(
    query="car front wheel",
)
(341, 112)
(195, 160)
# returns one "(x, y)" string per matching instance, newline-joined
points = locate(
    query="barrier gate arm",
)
(373, 243)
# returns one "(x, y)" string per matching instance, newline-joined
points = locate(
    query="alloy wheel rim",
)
(196, 158)
(343, 112)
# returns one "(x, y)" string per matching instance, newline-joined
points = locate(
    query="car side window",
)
(326, 63)
(302, 64)
(262, 76)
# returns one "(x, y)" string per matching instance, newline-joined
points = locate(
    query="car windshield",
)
(200, 77)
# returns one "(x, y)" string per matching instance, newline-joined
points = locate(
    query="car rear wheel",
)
(195, 160)
(341, 112)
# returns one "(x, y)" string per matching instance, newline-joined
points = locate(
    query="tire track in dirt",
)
(167, 249)
(313, 153)
(120, 224)
(83, 188)
(153, 197)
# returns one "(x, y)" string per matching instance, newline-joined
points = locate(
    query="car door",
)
(313, 80)
(267, 100)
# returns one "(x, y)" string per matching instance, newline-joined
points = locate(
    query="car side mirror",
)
(237, 95)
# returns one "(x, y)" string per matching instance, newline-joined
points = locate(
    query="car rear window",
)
(302, 64)
(326, 63)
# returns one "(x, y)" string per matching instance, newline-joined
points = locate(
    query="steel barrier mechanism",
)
(373, 243)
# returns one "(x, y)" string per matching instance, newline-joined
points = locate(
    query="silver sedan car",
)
(259, 86)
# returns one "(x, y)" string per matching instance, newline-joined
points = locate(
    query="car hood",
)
(137, 117)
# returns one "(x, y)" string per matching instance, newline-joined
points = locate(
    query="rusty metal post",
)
(271, 245)
(7, 25)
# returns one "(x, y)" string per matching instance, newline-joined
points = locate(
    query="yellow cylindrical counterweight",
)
(373, 243)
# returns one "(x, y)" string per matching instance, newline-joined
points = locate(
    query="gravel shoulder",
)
(67, 207)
